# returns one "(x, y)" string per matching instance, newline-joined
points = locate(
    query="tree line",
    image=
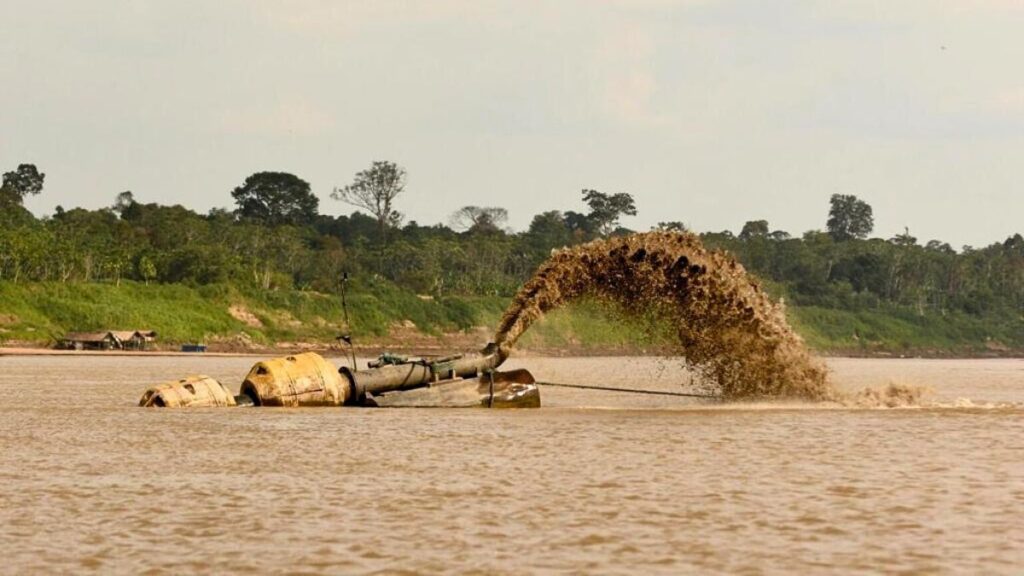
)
(276, 238)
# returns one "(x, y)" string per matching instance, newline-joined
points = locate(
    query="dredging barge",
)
(307, 379)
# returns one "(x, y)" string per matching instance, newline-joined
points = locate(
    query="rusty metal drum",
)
(299, 380)
(189, 392)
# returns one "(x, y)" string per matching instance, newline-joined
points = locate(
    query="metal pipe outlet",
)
(405, 375)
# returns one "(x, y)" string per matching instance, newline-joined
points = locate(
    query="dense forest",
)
(276, 239)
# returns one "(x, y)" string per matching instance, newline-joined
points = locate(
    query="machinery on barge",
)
(307, 379)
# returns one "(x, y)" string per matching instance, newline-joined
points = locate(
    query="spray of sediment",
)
(726, 327)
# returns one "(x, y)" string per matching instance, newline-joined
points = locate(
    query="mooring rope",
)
(631, 390)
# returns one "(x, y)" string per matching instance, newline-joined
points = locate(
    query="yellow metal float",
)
(191, 391)
(299, 380)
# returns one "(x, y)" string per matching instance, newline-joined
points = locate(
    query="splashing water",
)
(726, 327)
(893, 395)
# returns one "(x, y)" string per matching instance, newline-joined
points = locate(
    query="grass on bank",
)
(900, 331)
(39, 313)
(42, 312)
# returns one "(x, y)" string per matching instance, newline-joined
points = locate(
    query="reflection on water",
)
(593, 482)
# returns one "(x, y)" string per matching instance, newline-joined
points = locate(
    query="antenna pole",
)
(347, 337)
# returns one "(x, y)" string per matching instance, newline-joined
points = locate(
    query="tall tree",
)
(474, 219)
(606, 209)
(146, 268)
(123, 202)
(849, 217)
(754, 229)
(23, 181)
(548, 230)
(276, 198)
(580, 225)
(904, 239)
(375, 190)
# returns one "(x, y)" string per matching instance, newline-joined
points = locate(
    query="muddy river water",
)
(594, 482)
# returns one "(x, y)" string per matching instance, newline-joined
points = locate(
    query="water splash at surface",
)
(893, 395)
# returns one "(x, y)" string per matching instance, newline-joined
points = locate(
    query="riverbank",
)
(232, 321)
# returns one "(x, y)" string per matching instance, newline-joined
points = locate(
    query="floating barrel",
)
(192, 391)
(300, 380)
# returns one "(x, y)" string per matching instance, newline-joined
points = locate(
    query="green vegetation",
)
(900, 331)
(38, 312)
(271, 270)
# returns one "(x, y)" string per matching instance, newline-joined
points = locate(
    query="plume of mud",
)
(726, 327)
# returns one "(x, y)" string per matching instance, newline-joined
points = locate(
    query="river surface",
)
(593, 482)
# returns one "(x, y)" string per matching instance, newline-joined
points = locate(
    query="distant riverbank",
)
(383, 317)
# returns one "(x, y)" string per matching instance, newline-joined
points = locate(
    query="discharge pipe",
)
(404, 375)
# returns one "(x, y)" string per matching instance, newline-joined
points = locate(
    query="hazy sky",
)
(708, 112)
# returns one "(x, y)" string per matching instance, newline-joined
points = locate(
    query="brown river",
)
(593, 482)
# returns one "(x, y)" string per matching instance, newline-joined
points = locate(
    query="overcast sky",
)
(708, 112)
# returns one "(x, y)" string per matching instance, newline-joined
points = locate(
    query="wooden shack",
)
(133, 339)
(109, 340)
(147, 337)
(88, 341)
